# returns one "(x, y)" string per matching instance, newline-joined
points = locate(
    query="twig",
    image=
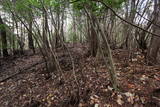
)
(130, 23)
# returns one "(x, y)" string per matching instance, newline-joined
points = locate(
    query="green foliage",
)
(79, 4)
(22, 6)
(114, 3)
(72, 37)
(34, 3)
(96, 7)
(2, 26)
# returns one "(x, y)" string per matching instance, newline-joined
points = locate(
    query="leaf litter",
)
(138, 82)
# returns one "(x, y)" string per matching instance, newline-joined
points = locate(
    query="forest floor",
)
(24, 82)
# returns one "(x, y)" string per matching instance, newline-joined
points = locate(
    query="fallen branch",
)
(21, 71)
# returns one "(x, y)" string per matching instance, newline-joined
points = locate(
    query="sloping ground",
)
(92, 88)
(13, 65)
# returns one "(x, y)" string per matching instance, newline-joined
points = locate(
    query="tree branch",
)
(153, 34)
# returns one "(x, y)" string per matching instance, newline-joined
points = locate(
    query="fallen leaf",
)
(142, 99)
(144, 77)
(96, 105)
(2, 83)
(107, 105)
(130, 97)
(110, 88)
(134, 59)
(119, 100)
(131, 86)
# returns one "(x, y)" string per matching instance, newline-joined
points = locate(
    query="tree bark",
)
(155, 41)
(30, 38)
(93, 39)
(4, 38)
(127, 31)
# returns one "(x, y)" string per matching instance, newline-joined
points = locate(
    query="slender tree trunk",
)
(155, 41)
(13, 36)
(109, 60)
(45, 25)
(4, 38)
(94, 39)
(30, 38)
(62, 26)
(109, 63)
(21, 40)
(127, 31)
(57, 44)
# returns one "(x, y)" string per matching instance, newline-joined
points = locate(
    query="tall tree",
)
(94, 38)
(30, 38)
(155, 41)
(129, 16)
(4, 38)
